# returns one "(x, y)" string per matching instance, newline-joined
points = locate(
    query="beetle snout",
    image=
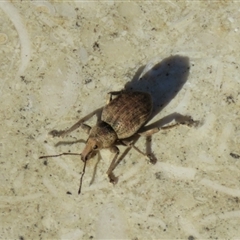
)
(84, 158)
(87, 152)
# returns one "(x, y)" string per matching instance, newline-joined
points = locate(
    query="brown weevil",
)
(121, 119)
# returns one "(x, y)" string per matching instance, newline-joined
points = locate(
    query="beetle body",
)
(121, 118)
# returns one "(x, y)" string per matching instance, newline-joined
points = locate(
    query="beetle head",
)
(91, 148)
(101, 136)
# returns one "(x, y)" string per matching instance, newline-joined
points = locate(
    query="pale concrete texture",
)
(59, 61)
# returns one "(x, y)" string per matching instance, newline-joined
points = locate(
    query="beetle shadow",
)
(162, 81)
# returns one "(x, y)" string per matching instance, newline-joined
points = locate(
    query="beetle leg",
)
(113, 165)
(185, 120)
(95, 169)
(152, 158)
(116, 160)
(78, 124)
(163, 123)
(157, 129)
(86, 128)
(110, 94)
(180, 120)
(148, 153)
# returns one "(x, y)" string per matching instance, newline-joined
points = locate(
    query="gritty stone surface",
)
(59, 61)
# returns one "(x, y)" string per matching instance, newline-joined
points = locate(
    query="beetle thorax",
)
(104, 134)
(101, 136)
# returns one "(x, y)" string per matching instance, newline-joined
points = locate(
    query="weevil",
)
(121, 118)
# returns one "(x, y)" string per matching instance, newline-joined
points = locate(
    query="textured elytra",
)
(127, 113)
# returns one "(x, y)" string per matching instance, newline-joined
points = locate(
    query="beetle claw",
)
(112, 178)
(152, 158)
(55, 133)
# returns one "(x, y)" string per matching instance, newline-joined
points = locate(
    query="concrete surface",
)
(59, 61)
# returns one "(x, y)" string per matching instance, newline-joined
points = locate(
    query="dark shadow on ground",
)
(163, 80)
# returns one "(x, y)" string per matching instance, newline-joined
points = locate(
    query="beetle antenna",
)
(81, 178)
